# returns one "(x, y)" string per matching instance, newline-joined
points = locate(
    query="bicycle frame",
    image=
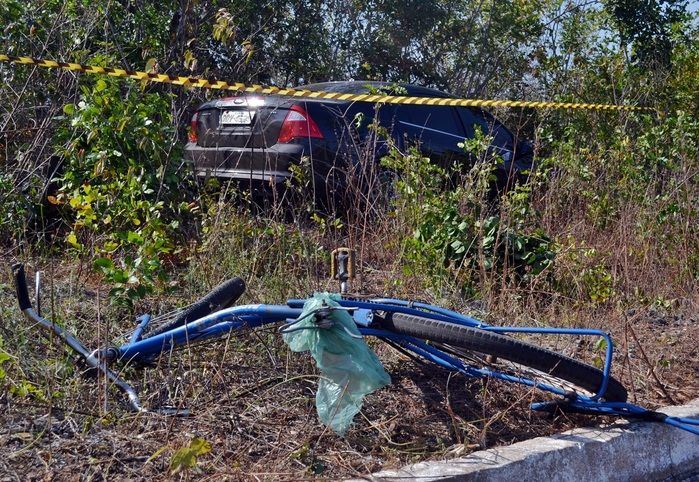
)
(222, 322)
(215, 325)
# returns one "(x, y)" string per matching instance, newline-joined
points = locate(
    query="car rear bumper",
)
(256, 164)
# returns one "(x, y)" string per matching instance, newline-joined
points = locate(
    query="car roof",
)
(344, 87)
(365, 86)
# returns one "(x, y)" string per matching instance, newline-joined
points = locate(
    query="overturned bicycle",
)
(332, 328)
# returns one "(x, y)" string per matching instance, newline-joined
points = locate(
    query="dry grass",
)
(253, 400)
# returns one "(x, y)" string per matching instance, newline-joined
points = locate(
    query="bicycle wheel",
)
(524, 359)
(223, 296)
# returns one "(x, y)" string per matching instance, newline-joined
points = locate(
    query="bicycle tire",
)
(554, 365)
(223, 296)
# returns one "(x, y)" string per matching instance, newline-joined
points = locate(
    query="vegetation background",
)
(95, 192)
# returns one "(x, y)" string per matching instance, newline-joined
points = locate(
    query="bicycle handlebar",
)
(21, 286)
(49, 327)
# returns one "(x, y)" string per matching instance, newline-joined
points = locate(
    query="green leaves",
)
(4, 358)
(186, 457)
(100, 85)
(647, 26)
(73, 240)
(600, 348)
(450, 232)
(118, 184)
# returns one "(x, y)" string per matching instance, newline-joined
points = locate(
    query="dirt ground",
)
(253, 402)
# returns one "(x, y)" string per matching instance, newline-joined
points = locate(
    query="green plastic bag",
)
(349, 368)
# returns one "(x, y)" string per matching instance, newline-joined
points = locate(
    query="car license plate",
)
(236, 117)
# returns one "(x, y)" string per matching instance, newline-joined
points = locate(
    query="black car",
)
(257, 138)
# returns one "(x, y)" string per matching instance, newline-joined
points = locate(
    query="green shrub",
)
(119, 189)
(456, 228)
(15, 206)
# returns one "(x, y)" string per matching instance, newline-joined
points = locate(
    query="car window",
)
(501, 134)
(502, 138)
(470, 120)
(437, 128)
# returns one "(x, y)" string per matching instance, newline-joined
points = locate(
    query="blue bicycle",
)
(452, 340)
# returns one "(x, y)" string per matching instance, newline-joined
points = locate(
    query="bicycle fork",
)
(50, 329)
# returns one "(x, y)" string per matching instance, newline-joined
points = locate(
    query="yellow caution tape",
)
(261, 89)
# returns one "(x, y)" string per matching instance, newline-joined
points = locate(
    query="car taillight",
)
(192, 134)
(298, 123)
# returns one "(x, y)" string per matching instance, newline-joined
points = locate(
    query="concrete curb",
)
(641, 451)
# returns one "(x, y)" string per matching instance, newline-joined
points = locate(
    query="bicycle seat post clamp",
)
(342, 266)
